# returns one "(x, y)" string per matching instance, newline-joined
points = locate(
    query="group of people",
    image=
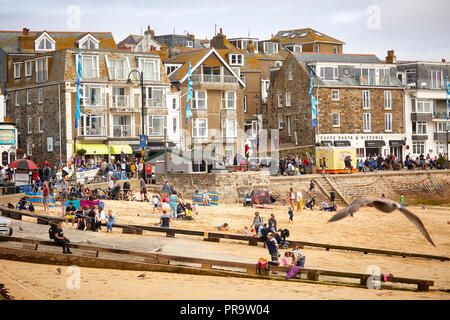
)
(291, 165)
(391, 162)
(89, 218)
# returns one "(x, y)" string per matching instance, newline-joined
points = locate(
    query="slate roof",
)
(9, 40)
(308, 35)
(336, 57)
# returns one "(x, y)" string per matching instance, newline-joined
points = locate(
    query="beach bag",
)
(51, 232)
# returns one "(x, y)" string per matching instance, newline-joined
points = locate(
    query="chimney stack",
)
(443, 60)
(26, 42)
(220, 30)
(391, 58)
(25, 31)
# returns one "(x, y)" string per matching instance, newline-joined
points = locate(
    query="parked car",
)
(6, 227)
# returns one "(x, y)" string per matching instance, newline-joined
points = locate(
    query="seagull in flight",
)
(384, 205)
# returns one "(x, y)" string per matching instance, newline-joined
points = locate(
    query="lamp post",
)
(258, 125)
(141, 75)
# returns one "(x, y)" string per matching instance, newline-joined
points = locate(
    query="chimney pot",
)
(220, 30)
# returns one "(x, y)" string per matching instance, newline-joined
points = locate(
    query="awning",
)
(342, 143)
(117, 149)
(92, 148)
(396, 143)
(375, 143)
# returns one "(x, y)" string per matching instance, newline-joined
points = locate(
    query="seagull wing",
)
(417, 222)
(353, 207)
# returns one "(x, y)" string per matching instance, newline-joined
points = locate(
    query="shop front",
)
(373, 147)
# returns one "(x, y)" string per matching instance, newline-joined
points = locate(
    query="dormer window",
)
(236, 59)
(44, 43)
(189, 43)
(329, 73)
(297, 48)
(270, 47)
(88, 42)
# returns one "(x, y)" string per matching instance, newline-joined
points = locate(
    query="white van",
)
(5, 226)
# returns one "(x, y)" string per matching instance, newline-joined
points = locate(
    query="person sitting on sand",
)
(70, 214)
(288, 259)
(222, 227)
(164, 221)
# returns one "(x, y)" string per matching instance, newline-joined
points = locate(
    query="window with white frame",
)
(17, 96)
(270, 47)
(280, 100)
(45, 43)
(388, 100)
(366, 99)
(41, 70)
(40, 95)
(200, 128)
(280, 123)
(288, 99)
(436, 79)
(388, 122)
(171, 68)
(30, 125)
(441, 127)
(156, 125)
(199, 100)
(421, 105)
(237, 59)
(264, 88)
(243, 78)
(150, 68)
(28, 97)
(41, 124)
(174, 103)
(229, 128)
(336, 119)
(367, 124)
(418, 147)
(297, 48)
(335, 95)
(229, 100)
(189, 43)
(89, 43)
(245, 104)
(419, 127)
(316, 47)
(174, 125)
(122, 126)
(89, 67)
(288, 122)
(28, 69)
(17, 67)
(290, 76)
(118, 69)
(335, 49)
(29, 148)
(94, 95)
(93, 125)
(440, 147)
(154, 97)
(328, 73)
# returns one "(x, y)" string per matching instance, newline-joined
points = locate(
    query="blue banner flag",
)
(79, 93)
(189, 95)
(314, 103)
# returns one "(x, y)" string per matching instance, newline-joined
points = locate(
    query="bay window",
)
(156, 125)
(154, 97)
(419, 127)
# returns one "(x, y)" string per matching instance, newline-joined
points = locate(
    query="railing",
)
(118, 101)
(122, 131)
(374, 81)
(157, 104)
(424, 83)
(87, 102)
(118, 73)
(92, 132)
(440, 115)
(213, 78)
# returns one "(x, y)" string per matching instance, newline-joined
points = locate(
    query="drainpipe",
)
(59, 112)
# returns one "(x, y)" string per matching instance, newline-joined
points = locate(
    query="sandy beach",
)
(368, 228)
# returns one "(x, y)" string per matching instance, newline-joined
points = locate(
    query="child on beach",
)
(222, 227)
(287, 259)
(155, 201)
(291, 215)
(246, 231)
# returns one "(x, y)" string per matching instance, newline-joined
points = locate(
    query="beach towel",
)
(36, 199)
(82, 203)
(213, 198)
(293, 272)
(75, 203)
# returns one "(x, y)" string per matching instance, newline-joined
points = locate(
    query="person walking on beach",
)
(272, 221)
(257, 221)
(311, 186)
(323, 164)
(143, 190)
(291, 198)
(299, 201)
(173, 205)
(110, 220)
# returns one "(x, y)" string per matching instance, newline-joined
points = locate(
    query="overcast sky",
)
(415, 29)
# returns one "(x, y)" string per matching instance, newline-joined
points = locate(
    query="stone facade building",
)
(41, 85)
(360, 103)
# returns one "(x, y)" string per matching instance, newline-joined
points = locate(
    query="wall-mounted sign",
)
(50, 144)
(7, 136)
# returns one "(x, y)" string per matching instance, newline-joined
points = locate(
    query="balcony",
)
(155, 104)
(122, 131)
(93, 132)
(118, 73)
(215, 82)
(425, 83)
(375, 81)
(441, 136)
(418, 116)
(420, 137)
(440, 116)
(120, 102)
